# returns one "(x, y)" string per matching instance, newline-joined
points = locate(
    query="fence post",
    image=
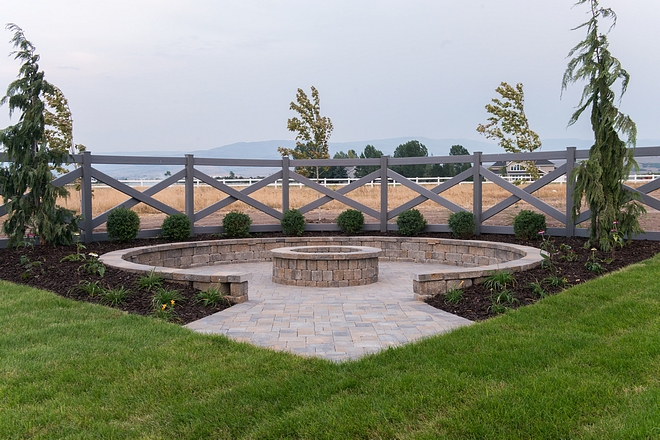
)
(285, 184)
(190, 191)
(86, 195)
(477, 192)
(383, 194)
(570, 187)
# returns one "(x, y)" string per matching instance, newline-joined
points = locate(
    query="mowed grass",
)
(581, 364)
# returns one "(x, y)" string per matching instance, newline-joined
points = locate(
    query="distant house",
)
(514, 168)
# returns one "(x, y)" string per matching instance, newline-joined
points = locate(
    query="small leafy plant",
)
(213, 297)
(165, 296)
(500, 280)
(555, 281)
(176, 227)
(410, 222)
(550, 251)
(123, 224)
(461, 224)
(293, 222)
(537, 289)
(151, 281)
(351, 221)
(113, 297)
(92, 288)
(237, 224)
(527, 224)
(454, 296)
(501, 301)
(78, 256)
(92, 265)
(567, 253)
(166, 311)
(30, 268)
(592, 264)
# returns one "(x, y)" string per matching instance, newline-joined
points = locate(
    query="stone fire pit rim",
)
(308, 253)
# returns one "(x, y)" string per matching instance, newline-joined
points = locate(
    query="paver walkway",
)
(332, 323)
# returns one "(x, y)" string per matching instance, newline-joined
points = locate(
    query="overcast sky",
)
(144, 75)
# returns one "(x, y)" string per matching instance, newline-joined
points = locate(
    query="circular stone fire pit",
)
(325, 266)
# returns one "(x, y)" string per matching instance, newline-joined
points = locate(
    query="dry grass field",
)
(554, 194)
(107, 198)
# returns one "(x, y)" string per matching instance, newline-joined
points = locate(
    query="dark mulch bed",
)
(64, 277)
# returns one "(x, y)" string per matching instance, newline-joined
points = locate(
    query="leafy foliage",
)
(176, 227)
(313, 132)
(508, 124)
(527, 225)
(370, 152)
(293, 222)
(211, 297)
(500, 280)
(451, 169)
(462, 224)
(599, 180)
(123, 224)
(26, 182)
(351, 221)
(410, 222)
(150, 282)
(411, 149)
(237, 224)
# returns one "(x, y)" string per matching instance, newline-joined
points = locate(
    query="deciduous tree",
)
(411, 149)
(370, 152)
(508, 124)
(614, 210)
(313, 132)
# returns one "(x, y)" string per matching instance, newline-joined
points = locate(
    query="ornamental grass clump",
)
(123, 225)
(351, 221)
(410, 222)
(237, 224)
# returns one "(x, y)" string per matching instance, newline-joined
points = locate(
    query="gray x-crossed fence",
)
(566, 160)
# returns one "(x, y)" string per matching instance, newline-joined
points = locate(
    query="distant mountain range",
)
(268, 150)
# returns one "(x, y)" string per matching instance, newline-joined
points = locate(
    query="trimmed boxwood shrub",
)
(123, 224)
(293, 222)
(528, 224)
(461, 224)
(410, 222)
(237, 224)
(351, 221)
(176, 227)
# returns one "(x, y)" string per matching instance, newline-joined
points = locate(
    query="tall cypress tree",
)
(614, 210)
(26, 183)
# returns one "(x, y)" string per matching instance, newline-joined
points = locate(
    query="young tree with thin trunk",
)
(614, 210)
(313, 132)
(508, 124)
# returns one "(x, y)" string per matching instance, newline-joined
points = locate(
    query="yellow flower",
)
(163, 306)
(172, 302)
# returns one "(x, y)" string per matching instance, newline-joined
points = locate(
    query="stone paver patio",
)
(331, 323)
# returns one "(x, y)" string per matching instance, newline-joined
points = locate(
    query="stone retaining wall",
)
(474, 260)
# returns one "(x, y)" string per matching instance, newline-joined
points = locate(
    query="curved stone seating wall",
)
(474, 259)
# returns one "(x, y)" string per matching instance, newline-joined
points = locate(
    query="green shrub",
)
(236, 224)
(176, 227)
(351, 221)
(123, 224)
(528, 224)
(461, 224)
(410, 222)
(293, 222)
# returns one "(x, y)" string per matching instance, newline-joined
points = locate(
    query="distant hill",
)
(268, 150)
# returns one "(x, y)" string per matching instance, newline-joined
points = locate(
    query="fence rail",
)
(190, 176)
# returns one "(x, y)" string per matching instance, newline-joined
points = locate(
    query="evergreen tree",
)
(313, 132)
(26, 183)
(614, 210)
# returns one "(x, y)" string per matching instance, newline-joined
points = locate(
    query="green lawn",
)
(582, 364)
